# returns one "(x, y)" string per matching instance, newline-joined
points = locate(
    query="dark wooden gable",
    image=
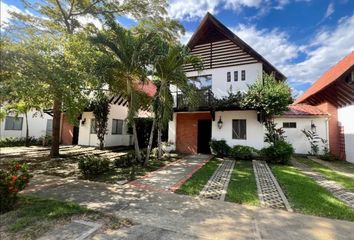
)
(219, 47)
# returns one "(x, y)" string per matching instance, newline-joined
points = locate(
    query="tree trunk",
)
(54, 153)
(159, 155)
(136, 142)
(27, 131)
(101, 145)
(148, 150)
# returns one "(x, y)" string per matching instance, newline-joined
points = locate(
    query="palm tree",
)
(168, 70)
(128, 67)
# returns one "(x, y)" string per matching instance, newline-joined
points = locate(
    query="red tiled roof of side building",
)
(328, 77)
(148, 87)
(303, 110)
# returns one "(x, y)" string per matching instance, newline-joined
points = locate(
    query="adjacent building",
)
(333, 93)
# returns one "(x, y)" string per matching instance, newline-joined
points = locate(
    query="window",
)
(13, 123)
(117, 126)
(201, 82)
(229, 76)
(243, 75)
(235, 76)
(239, 129)
(93, 126)
(289, 124)
(49, 128)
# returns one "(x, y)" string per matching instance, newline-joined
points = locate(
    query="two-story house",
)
(228, 63)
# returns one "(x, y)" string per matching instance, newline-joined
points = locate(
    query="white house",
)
(333, 93)
(229, 63)
(39, 125)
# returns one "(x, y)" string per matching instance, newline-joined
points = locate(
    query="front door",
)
(204, 136)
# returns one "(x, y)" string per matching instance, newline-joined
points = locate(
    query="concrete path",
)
(172, 176)
(339, 169)
(216, 186)
(171, 216)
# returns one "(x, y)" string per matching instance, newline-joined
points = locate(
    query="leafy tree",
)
(168, 70)
(130, 57)
(100, 108)
(65, 17)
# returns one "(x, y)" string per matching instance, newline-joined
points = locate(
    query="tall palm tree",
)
(130, 57)
(167, 71)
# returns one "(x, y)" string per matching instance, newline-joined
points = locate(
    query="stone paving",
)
(164, 215)
(172, 176)
(216, 187)
(269, 192)
(337, 190)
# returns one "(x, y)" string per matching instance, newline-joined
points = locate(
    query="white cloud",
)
(5, 16)
(84, 20)
(185, 38)
(330, 10)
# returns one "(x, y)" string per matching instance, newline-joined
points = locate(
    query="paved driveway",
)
(165, 215)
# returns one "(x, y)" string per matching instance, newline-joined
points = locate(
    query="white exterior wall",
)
(37, 123)
(294, 135)
(346, 119)
(254, 129)
(220, 86)
(172, 129)
(116, 112)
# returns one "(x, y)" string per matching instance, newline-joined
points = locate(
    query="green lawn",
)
(33, 216)
(243, 187)
(345, 181)
(195, 184)
(307, 197)
(343, 164)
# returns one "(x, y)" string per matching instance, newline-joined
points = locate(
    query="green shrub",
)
(129, 159)
(92, 166)
(243, 152)
(219, 148)
(328, 157)
(14, 142)
(279, 152)
(11, 182)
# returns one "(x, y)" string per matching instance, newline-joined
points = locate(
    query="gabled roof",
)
(332, 75)
(211, 30)
(303, 110)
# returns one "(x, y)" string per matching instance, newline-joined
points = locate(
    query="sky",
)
(301, 38)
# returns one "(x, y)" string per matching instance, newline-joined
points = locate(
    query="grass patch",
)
(195, 184)
(243, 187)
(33, 216)
(343, 164)
(307, 197)
(330, 174)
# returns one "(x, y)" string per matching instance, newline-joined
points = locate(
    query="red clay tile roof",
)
(148, 87)
(303, 110)
(328, 77)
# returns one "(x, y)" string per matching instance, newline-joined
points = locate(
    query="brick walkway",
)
(338, 191)
(216, 187)
(269, 192)
(172, 176)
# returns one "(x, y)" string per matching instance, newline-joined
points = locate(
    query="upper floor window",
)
(13, 123)
(201, 82)
(117, 126)
(289, 124)
(93, 126)
(229, 76)
(243, 75)
(239, 129)
(235, 76)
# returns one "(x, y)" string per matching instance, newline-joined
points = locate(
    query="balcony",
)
(202, 101)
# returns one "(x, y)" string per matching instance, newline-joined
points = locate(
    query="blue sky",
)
(302, 38)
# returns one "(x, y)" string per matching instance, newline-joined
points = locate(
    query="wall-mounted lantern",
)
(220, 123)
(313, 127)
(83, 121)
